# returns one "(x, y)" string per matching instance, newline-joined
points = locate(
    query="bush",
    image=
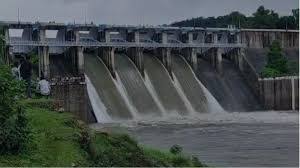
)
(167, 159)
(117, 151)
(176, 149)
(277, 64)
(293, 68)
(14, 133)
(270, 72)
(13, 123)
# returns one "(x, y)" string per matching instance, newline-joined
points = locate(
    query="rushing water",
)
(227, 145)
(229, 88)
(154, 96)
(99, 108)
(136, 90)
(225, 139)
(163, 86)
(161, 112)
(106, 88)
(190, 85)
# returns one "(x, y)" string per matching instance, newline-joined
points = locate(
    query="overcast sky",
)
(134, 12)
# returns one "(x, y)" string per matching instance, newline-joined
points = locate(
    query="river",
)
(256, 139)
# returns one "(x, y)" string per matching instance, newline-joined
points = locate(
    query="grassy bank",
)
(57, 139)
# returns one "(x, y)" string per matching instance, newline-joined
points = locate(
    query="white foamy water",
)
(259, 117)
(124, 95)
(153, 93)
(97, 104)
(182, 95)
(213, 104)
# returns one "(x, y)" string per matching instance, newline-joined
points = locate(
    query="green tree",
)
(277, 64)
(265, 18)
(287, 22)
(296, 16)
(237, 19)
(2, 42)
(13, 123)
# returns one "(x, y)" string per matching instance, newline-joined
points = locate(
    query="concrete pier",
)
(7, 54)
(215, 55)
(42, 35)
(164, 38)
(237, 56)
(164, 55)
(215, 38)
(137, 56)
(190, 55)
(80, 60)
(107, 54)
(44, 67)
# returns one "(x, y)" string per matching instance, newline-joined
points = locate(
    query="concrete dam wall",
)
(155, 94)
(229, 88)
(140, 89)
(280, 93)
(130, 96)
(264, 38)
(273, 93)
(257, 57)
(70, 94)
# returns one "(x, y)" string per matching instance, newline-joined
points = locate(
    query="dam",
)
(152, 73)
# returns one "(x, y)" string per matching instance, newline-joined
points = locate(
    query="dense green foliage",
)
(2, 43)
(277, 64)
(262, 18)
(166, 159)
(13, 123)
(117, 150)
(176, 149)
(120, 150)
(293, 67)
(34, 59)
(57, 139)
(53, 141)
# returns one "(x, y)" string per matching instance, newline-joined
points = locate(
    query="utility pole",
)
(85, 16)
(194, 23)
(18, 15)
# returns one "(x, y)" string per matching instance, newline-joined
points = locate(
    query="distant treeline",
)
(261, 19)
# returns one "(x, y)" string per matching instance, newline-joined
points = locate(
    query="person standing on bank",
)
(43, 87)
(26, 73)
(15, 70)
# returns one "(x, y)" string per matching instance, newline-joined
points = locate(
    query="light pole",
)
(18, 15)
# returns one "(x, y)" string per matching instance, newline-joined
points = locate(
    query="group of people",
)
(23, 71)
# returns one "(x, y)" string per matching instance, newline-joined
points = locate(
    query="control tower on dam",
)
(200, 68)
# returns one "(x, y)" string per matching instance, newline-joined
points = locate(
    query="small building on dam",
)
(110, 73)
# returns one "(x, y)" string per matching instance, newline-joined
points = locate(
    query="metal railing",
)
(14, 42)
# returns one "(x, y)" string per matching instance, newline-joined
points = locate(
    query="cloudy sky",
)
(132, 11)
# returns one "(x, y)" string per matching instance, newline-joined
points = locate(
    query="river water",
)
(264, 139)
(160, 112)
